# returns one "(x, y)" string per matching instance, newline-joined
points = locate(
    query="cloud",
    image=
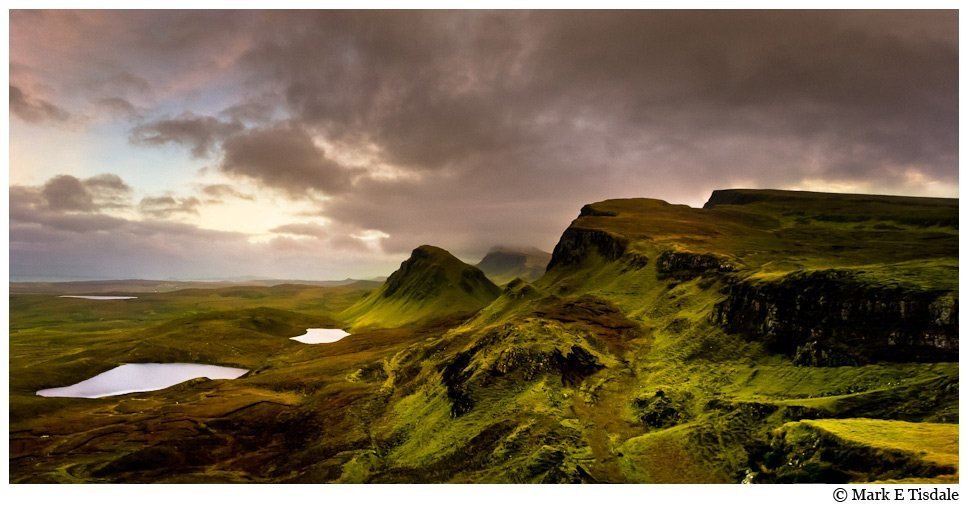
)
(118, 107)
(200, 133)
(68, 193)
(166, 205)
(250, 111)
(473, 128)
(108, 190)
(303, 229)
(53, 242)
(285, 157)
(63, 204)
(35, 110)
(216, 193)
(513, 120)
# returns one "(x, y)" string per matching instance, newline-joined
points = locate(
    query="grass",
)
(603, 370)
(431, 284)
(937, 443)
(927, 451)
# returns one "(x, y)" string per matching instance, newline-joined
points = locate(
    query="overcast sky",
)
(323, 145)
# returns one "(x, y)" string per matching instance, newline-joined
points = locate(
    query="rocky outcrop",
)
(511, 356)
(577, 244)
(830, 318)
(659, 410)
(687, 265)
(589, 210)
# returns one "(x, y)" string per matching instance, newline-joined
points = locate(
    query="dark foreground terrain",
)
(768, 337)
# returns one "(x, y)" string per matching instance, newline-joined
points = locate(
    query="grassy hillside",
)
(767, 337)
(431, 284)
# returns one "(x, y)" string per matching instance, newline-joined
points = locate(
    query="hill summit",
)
(431, 284)
(503, 264)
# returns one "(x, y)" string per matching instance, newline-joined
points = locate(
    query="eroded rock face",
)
(829, 318)
(577, 244)
(688, 265)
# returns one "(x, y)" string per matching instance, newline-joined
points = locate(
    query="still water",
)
(139, 377)
(318, 335)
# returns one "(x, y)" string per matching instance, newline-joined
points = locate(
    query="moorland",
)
(770, 336)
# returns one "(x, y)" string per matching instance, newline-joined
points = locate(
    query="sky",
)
(328, 144)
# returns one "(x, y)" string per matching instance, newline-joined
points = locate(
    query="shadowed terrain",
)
(770, 336)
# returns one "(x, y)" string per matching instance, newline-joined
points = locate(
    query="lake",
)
(140, 377)
(318, 335)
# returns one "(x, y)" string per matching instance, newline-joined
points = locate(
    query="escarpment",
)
(888, 290)
(685, 265)
(577, 244)
(830, 318)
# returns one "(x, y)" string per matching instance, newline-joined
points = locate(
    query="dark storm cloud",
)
(450, 90)
(166, 205)
(852, 95)
(34, 109)
(430, 89)
(200, 133)
(284, 156)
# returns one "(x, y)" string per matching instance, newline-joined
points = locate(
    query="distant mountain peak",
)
(503, 264)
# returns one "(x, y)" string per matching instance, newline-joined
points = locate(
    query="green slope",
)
(431, 284)
(769, 337)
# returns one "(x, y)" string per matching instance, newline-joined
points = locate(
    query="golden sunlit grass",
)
(937, 443)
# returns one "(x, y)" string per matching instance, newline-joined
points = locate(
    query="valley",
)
(770, 336)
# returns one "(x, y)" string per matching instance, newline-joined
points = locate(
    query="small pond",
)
(140, 377)
(318, 335)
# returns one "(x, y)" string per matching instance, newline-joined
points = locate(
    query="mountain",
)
(503, 264)
(673, 344)
(770, 336)
(431, 284)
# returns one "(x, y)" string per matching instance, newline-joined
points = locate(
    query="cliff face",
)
(577, 245)
(905, 312)
(686, 265)
(829, 318)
